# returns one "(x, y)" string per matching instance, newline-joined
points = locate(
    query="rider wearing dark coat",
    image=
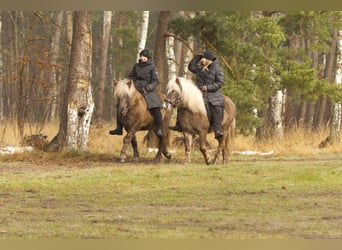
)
(145, 77)
(209, 79)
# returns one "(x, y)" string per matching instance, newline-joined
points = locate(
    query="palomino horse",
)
(192, 118)
(134, 115)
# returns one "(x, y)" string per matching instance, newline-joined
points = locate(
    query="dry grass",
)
(297, 142)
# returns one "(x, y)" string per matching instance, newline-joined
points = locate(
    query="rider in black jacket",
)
(209, 79)
(145, 77)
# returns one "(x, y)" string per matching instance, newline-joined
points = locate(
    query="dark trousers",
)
(158, 119)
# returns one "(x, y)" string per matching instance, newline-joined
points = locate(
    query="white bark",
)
(143, 31)
(335, 126)
(80, 100)
(188, 53)
(278, 104)
(277, 110)
(69, 20)
(84, 123)
(170, 55)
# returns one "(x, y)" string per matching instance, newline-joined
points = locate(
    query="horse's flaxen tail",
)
(230, 138)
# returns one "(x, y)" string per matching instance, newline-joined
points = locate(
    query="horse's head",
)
(173, 96)
(182, 92)
(123, 93)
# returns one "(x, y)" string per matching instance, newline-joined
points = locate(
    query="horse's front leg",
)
(163, 144)
(225, 147)
(203, 147)
(134, 144)
(126, 141)
(157, 158)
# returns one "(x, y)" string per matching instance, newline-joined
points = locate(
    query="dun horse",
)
(134, 115)
(192, 118)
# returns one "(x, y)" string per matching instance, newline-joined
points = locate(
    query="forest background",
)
(282, 68)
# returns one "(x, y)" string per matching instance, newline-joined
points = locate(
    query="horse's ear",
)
(179, 83)
(129, 83)
(115, 82)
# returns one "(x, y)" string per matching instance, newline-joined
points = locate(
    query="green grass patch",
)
(84, 196)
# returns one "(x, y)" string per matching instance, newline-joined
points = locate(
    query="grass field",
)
(294, 194)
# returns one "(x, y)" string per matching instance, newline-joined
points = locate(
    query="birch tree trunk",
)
(335, 124)
(171, 59)
(107, 20)
(78, 104)
(188, 51)
(53, 61)
(277, 109)
(143, 32)
(69, 25)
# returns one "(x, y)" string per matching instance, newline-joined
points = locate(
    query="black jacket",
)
(212, 77)
(145, 77)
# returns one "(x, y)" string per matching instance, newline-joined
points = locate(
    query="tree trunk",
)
(323, 112)
(1, 74)
(160, 47)
(78, 103)
(143, 32)
(335, 124)
(160, 60)
(171, 59)
(277, 110)
(53, 61)
(69, 25)
(107, 19)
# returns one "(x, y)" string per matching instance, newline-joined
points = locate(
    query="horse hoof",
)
(167, 155)
(135, 159)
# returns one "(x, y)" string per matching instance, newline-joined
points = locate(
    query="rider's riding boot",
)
(159, 131)
(217, 121)
(118, 130)
(218, 134)
(158, 120)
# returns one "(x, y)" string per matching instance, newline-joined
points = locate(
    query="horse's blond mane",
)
(123, 89)
(190, 94)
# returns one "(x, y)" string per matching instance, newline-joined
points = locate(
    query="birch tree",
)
(107, 19)
(143, 32)
(171, 58)
(335, 124)
(78, 104)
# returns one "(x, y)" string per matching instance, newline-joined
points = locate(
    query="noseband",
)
(173, 102)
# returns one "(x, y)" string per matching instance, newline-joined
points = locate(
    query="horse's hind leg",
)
(218, 150)
(134, 144)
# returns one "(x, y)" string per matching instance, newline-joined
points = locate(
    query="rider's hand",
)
(204, 88)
